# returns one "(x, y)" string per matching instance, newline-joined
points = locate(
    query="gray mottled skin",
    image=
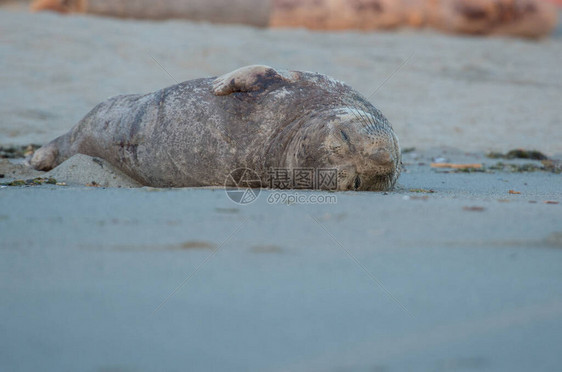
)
(196, 132)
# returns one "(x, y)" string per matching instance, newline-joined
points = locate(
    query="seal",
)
(196, 132)
(249, 12)
(521, 18)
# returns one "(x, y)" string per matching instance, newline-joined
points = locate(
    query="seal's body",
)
(196, 132)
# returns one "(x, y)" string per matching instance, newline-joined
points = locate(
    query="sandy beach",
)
(453, 270)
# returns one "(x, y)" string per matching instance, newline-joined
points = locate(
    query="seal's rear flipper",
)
(249, 79)
(52, 154)
(44, 159)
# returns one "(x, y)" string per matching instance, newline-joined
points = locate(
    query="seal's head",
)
(361, 146)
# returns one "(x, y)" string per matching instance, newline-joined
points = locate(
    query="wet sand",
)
(455, 274)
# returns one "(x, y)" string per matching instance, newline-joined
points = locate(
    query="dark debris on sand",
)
(14, 152)
(32, 182)
(552, 166)
(518, 154)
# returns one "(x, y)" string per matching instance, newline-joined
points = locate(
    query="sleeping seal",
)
(196, 132)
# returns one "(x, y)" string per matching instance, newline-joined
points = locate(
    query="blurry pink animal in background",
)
(523, 18)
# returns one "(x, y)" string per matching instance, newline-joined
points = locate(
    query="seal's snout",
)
(382, 157)
(367, 157)
(368, 171)
(378, 157)
(379, 162)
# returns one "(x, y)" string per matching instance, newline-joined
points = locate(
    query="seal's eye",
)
(344, 136)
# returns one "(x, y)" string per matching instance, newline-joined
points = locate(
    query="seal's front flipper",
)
(249, 79)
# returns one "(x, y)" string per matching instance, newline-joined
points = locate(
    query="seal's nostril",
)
(356, 182)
